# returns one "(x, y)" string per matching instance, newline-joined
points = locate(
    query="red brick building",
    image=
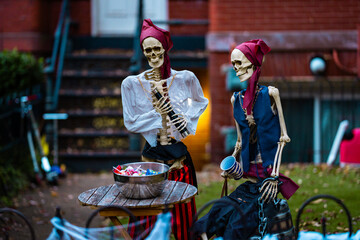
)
(295, 30)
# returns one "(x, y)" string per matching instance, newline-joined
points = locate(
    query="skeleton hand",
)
(179, 121)
(269, 189)
(224, 174)
(163, 105)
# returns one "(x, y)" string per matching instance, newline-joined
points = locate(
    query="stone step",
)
(86, 101)
(98, 61)
(73, 113)
(97, 83)
(114, 73)
(91, 139)
(86, 132)
(88, 142)
(88, 92)
(98, 119)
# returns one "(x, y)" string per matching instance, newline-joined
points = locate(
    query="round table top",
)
(174, 192)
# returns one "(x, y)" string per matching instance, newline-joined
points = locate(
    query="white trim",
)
(94, 17)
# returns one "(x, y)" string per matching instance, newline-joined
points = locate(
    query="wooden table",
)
(174, 192)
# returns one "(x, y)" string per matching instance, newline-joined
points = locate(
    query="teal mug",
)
(232, 167)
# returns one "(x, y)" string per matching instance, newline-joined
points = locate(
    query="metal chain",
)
(256, 95)
(262, 218)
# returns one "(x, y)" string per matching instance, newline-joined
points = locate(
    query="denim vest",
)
(268, 129)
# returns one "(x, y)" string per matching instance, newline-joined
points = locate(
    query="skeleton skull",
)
(242, 66)
(154, 52)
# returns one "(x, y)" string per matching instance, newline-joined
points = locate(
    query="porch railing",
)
(55, 64)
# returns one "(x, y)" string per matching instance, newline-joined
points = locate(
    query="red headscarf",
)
(150, 30)
(254, 50)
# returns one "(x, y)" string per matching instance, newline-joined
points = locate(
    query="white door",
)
(119, 17)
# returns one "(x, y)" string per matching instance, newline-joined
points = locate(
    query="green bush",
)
(19, 71)
(12, 181)
(16, 172)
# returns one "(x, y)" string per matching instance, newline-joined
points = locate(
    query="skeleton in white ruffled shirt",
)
(164, 105)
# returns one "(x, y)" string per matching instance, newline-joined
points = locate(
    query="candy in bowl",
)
(141, 180)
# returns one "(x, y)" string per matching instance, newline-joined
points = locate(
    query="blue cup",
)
(232, 167)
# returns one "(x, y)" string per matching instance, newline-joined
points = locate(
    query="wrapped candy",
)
(117, 169)
(150, 172)
(130, 171)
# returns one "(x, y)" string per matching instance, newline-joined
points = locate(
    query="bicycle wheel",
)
(14, 225)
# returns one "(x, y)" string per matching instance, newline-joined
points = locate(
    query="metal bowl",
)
(142, 187)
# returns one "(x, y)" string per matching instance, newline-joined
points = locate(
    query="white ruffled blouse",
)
(139, 115)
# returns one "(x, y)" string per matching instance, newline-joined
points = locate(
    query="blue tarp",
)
(161, 231)
(318, 236)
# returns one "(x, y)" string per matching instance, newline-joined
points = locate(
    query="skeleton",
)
(154, 52)
(164, 105)
(244, 70)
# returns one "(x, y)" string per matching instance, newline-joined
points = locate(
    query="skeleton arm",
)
(284, 138)
(269, 188)
(237, 148)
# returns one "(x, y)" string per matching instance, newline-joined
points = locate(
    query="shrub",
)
(12, 182)
(16, 171)
(19, 71)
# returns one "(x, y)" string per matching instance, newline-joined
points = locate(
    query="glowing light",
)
(317, 65)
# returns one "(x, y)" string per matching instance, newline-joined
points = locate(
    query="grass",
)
(343, 183)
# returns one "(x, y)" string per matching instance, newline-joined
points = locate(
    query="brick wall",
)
(20, 16)
(186, 9)
(23, 25)
(255, 15)
(29, 25)
(80, 11)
